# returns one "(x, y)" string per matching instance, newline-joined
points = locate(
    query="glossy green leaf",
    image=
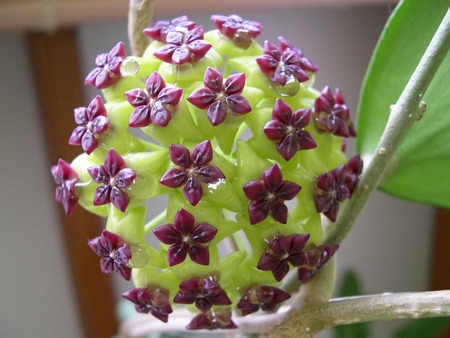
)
(420, 169)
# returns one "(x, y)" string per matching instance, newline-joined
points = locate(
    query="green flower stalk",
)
(241, 144)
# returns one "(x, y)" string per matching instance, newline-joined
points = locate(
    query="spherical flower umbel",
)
(287, 128)
(331, 114)
(241, 31)
(204, 292)
(153, 105)
(183, 46)
(152, 299)
(114, 252)
(281, 66)
(263, 296)
(268, 197)
(192, 171)
(66, 179)
(221, 97)
(212, 320)
(115, 178)
(281, 251)
(107, 71)
(185, 237)
(160, 29)
(92, 122)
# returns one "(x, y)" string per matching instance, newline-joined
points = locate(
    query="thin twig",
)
(408, 109)
(140, 15)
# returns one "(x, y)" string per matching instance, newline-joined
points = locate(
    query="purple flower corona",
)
(115, 177)
(155, 104)
(192, 171)
(331, 114)
(66, 179)
(316, 257)
(265, 297)
(153, 300)
(281, 66)
(241, 31)
(219, 319)
(281, 251)
(107, 71)
(115, 253)
(185, 237)
(267, 197)
(92, 121)
(220, 96)
(204, 292)
(287, 129)
(160, 29)
(337, 186)
(183, 46)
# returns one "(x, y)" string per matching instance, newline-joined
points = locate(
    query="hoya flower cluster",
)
(246, 151)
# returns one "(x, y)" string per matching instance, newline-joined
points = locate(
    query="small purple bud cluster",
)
(192, 96)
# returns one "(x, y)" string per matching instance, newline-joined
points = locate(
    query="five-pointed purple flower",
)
(107, 71)
(331, 114)
(153, 299)
(115, 253)
(281, 251)
(92, 121)
(212, 320)
(204, 292)
(316, 257)
(221, 96)
(115, 177)
(265, 297)
(267, 197)
(281, 66)
(287, 129)
(192, 171)
(306, 64)
(336, 186)
(66, 179)
(241, 31)
(153, 105)
(186, 237)
(183, 46)
(160, 29)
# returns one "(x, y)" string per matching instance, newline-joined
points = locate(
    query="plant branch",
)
(408, 109)
(140, 15)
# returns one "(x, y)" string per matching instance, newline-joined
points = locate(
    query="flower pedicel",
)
(193, 94)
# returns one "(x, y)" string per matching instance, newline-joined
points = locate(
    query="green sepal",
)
(165, 279)
(227, 47)
(226, 228)
(129, 225)
(117, 90)
(147, 65)
(313, 226)
(228, 267)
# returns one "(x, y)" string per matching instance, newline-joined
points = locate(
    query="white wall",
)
(389, 247)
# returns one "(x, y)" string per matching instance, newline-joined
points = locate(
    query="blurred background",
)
(50, 282)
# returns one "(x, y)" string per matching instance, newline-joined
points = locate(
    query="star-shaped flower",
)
(212, 320)
(115, 177)
(115, 253)
(337, 186)
(316, 257)
(183, 46)
(66, 179)
(107, 71)
(92, 122)
(204, 292)
(287, 129)
(267, 197)
(281, 251)
(153, 299)
(241, 31)
(220, 96)
(281, 66)
(265, 297)
(153, 105)
(160, 29)
(192, 170)
(331, 114)
(186, 237)
(306, 64)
